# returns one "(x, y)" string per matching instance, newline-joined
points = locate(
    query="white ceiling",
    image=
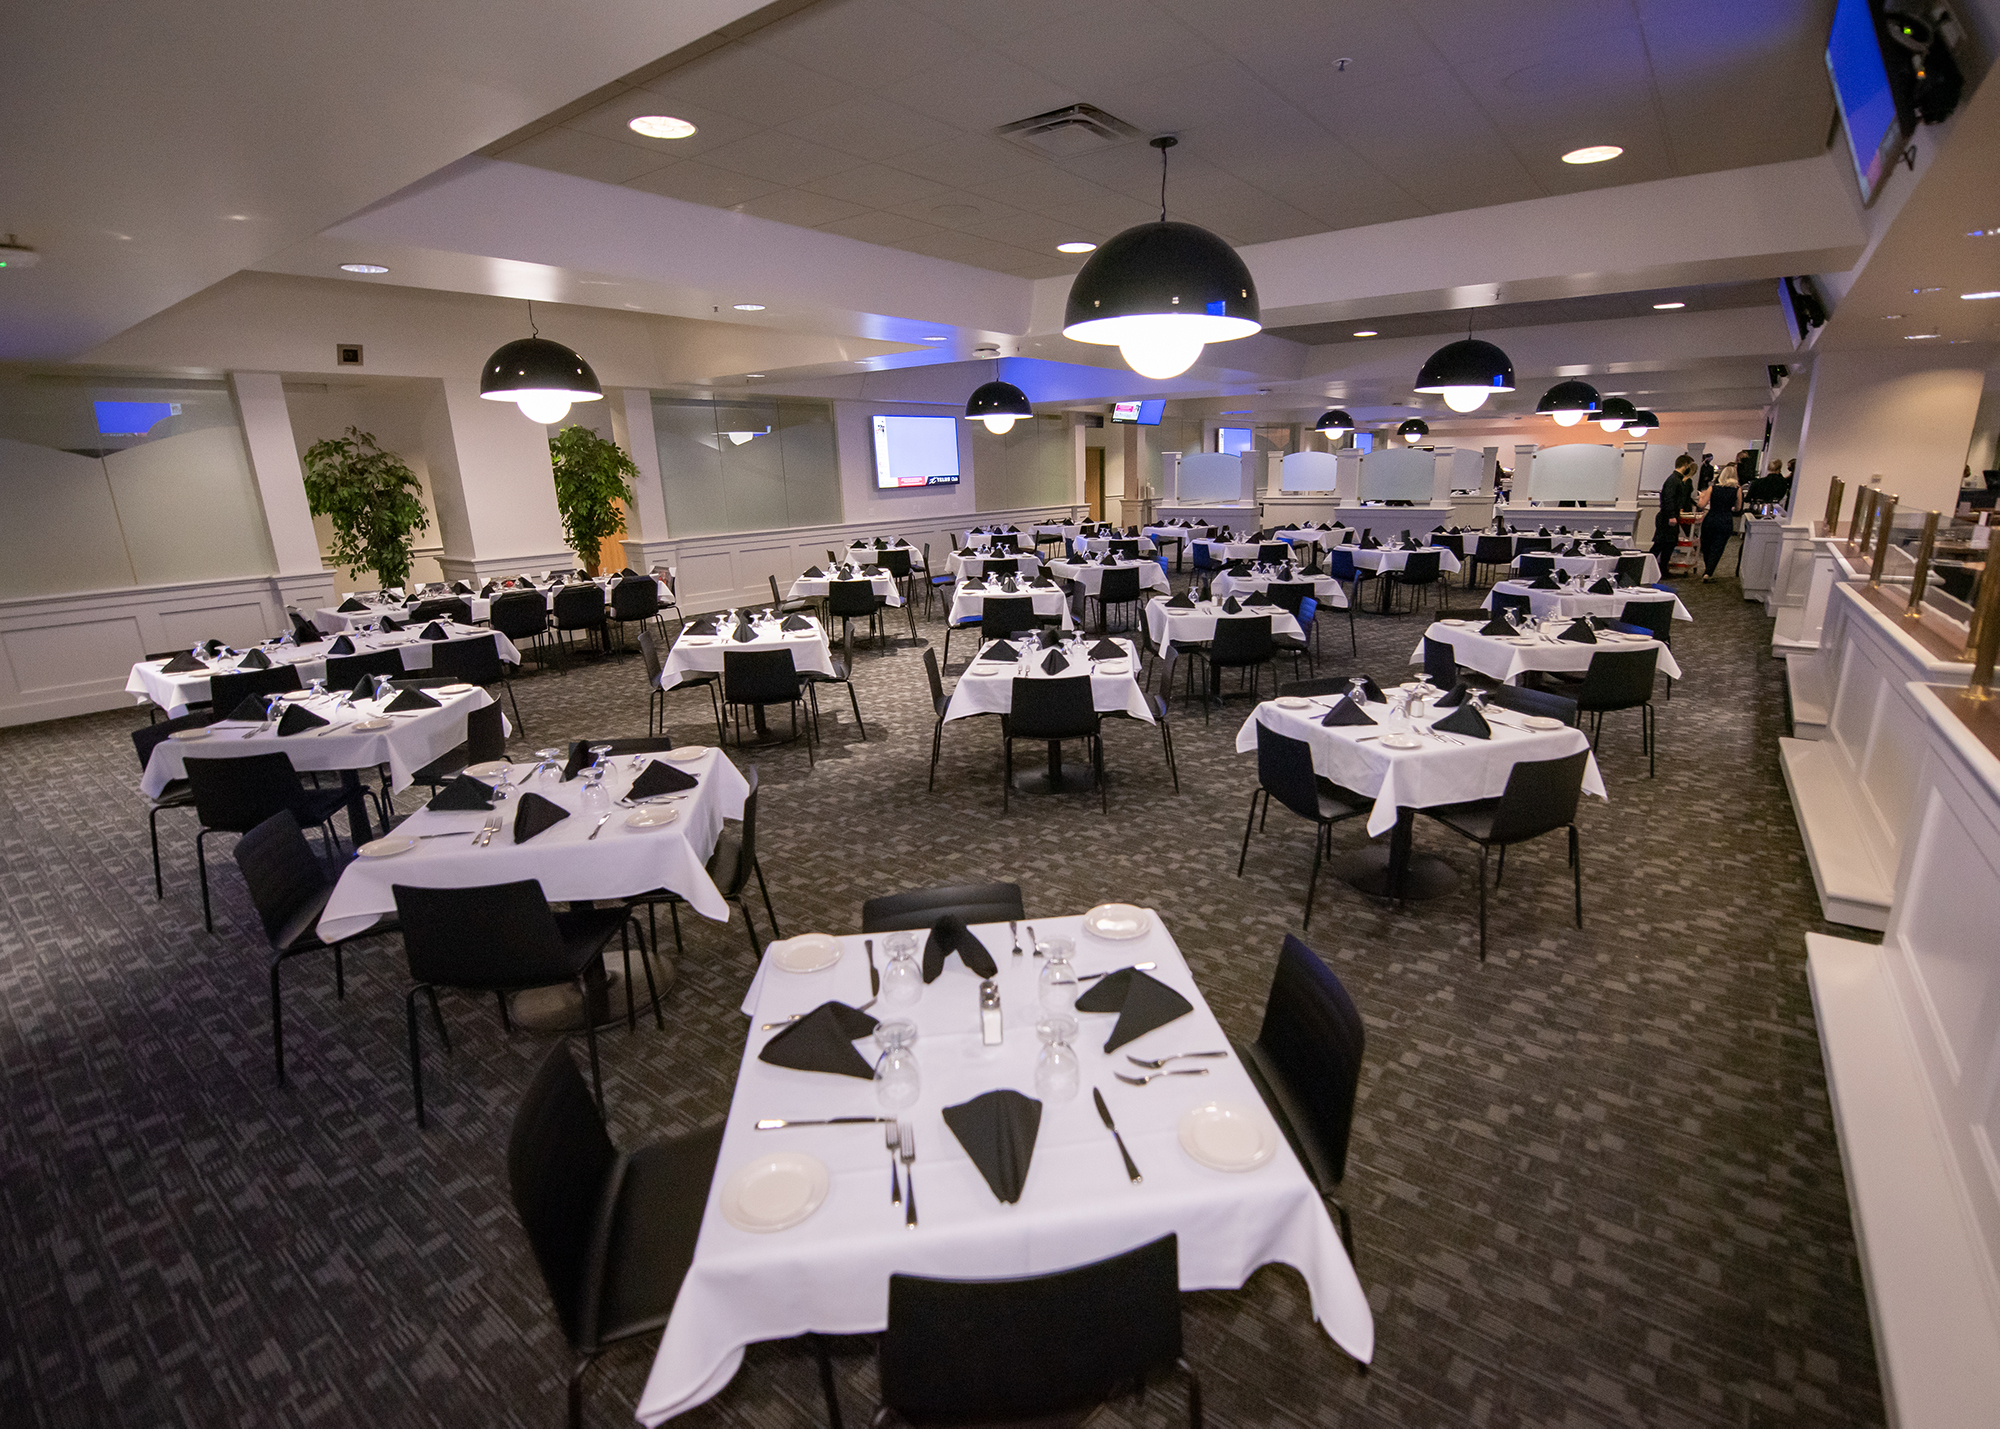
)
(873, 118)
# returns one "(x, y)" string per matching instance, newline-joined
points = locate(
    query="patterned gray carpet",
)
(1594, 1180)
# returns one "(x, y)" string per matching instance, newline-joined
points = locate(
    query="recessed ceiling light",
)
(1239, 412)
(1984, 233)
(748, 307)
(1919, 292)
(362, 268)
(1918, 336)
(1592, 154)
(1367, 332)
(938, 337)
(1979, 297)
(1667, 307)
(1891, 317)
(660, 126)
(1077, 247)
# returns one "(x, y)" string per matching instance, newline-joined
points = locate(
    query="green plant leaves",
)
(591, 475)
(373, 500)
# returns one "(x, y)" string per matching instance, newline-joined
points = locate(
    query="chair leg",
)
(652, 989)
(521, 725)
(506, 1017)
(576, 1391)
(1321, 836)
(1248, 824)
(1500, 876)
(757, 868)
(625, 954)
(855, 701)
(437, 1017)
(153, 824)
(1482, 899)
(1006, 772)
(1167, 742)
(416, 1054)
(826, 1381)
(937, 748)
(750, 929)
(1576, 868)
(201, 862)
(277, 1021)
(1193, 1393)
(590, 1038)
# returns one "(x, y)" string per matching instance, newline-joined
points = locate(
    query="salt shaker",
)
(989, 1012)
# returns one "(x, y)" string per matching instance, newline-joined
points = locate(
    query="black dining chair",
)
(289, 887)
(1488, 552)
(730, 868)
(504, 938)
(849, 601)
(1440, 663)
(226, 692)
(1287, 595)
(455, 608)
(577, 608)
(234, 795)
(523, 617)
(1241, 642)
(344, 672)
(1528, 545)
(1533, 565)
(1421, 571)
(922, 907)
(689, 679)
(940, 702)
(1621, 680)
(1523, 700)
(1656, 618)
(633, 600)
(1502, 600)
(1304, 645)
(842, 674)
(1003, 617)
(1541, 797)
(1631, 570)
(937, 584)
(1340, 566)
(476, 661)
(1125, 548)
(753, 679)
(803, 605)
(1052, 711)
(1116, 587)
(1306, 1064)
(1285, 773)
(177, 794)
(1158, 705)
(1039, 1349)
(485, 741)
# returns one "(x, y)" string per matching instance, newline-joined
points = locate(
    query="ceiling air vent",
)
(1068, 133)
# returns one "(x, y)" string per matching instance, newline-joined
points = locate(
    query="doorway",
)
(1093, 481)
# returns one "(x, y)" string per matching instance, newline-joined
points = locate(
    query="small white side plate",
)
(1117, 922)
(373, 722)
(453, 690)
(806, 954)
(774, 1192)
(1226, 1137)
(387, 847)
(184, 735)
(491, 769)
(654, 816)
(1541, 722)
(1401, 741)
(1292, 702)
(686, 754)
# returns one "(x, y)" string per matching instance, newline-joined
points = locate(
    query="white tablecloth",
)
(987, 687)
(831, 1273)
(1025, 562)
(411, 741)
(1164, 623)
(569, 864)
(1591, 568)
(1326, 590)
(1394, 560)
(1502, 659)
(1098, 545)
(704, 652)
(1173, 533)
(1151, 577)
(1220, 551)
(1435, 773)
(1622, 539)
(1049, 600)
(174, 693)
(806, 588)
(1576, 602)
(333, 620)
(862, 555)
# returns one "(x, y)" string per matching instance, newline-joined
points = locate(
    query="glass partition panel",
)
(746, 464)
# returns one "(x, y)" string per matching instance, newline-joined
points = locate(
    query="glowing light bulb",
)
(1466, 399)
(1161, 353)
(1567, 419)
(739, 438)
(999, 425)
(545, 407)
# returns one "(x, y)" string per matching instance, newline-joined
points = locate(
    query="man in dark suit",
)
(1676, 496)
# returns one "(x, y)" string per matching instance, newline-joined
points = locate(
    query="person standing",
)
(1706, 476)
(1675, 497)
(1718, 522)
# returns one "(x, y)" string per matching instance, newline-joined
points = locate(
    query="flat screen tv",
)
(915, 451)
(1873, 111)
(1144, 414)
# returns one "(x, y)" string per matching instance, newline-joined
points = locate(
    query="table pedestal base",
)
(1055, 779)
(561, 1009)
(1370, 870)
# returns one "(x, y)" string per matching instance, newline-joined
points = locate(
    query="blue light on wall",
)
(132, 419)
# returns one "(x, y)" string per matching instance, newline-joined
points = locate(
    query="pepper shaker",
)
(989, 1012)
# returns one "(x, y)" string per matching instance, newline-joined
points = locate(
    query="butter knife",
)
(874, 977)
(772, 1123)
(1104, 1111)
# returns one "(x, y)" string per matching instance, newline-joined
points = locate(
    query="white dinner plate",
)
(187, 734)
(990, 670)
(491, 769)
(1522, 639)
(1540, 722)
(686, 754)
(1114, 667)
(808, 953)
(1226, 1137)
(387, 847)
(1117, 922)
(296, 695)
(699, 639)
(653, 816)
(774, 1192)
(1292, 702)
(1459, 624)
(372, 722)
(453, 689)
(1401, 741)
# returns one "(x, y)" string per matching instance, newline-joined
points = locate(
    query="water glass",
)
(898, 1081)
(903, 979)
(1056, 986)
(1058, 1069)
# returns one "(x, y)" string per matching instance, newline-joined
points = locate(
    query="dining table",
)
(1326, 590)
(1090, 574)
(1435, 768)
(1394, 558)
(987, 688)
(334, 620)
(1595, 567)
(816, 1256)
(1577, 599)
(1022, 562)
(1098, 545)
(968, 599)
(1538, 648)
(808, 587)
(1195, 625)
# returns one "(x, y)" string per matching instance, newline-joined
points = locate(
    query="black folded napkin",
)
(1605, 548)
(250, 707)
(1498, 626)
(968, 551)
(1141, 1002)
(411, 700)
(1347, 712)
(1231, 606)
(535, 814)
(297, 718)
(460, 588)
(881, 544)
(1543, 532)
(1107, 650)
(1542, 581)
(1465, 720)
(950, 935)
(703, 626)
(975, 583)
(744, 632)
(1580, 632)
(658, 778)
(1436, 529)
(433, 631)
(350, 605)
(364, 688)
(823, 1041)
(901, 543)
(1597, 534)
(1042, 581)
(182, 665)
(1054, 663)
(1050, 637)
(1008, 585)
(997, 1131)
(814, 573)
(1562, 530)
(1560, 577)
(796, 622)
(1455, 696)
(1372, 692)
(254, 660)
(486, 590)
(1257, 598)
(1602, 586)
(341, 646)
(462, 795)
(388, 624)
(1369, 543)
(1183, 601)
(1000, 650)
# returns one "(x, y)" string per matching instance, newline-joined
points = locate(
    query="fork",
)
(892, 1134)
(1157, 1063)
(906, 1147)
(491, 828)
(1155, 1076)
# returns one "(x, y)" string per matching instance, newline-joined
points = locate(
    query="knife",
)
(1105, 1112)
(874, 977)
(772, 1123)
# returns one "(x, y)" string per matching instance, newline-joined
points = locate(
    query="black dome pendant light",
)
(1465, 373)
(1569, 403)
(1335, 423)
(1643, 423)
(1615, 413)
(1161, 291)
(543, 377)
(997, 404)
(1414, 430)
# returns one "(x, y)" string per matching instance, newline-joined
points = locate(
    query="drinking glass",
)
(1058, 1070)
(1056, 986)
(601, 754)
(317, 689)
(503, 788)
(271, 706)
(898, 1082)
(903, 979)
(1356, 687)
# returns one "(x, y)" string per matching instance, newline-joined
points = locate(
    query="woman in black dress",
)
(1719, 521)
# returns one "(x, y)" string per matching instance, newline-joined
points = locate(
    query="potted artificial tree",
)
(373, 500)
(592, 476)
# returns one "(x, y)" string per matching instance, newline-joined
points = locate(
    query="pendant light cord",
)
(531, 319)
(1164, 143)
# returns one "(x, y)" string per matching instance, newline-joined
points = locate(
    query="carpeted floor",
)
(1594, 1180)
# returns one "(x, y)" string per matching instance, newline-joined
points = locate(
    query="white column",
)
(274, 459)
(1628, 476)
(632, 427)
(1441, 477)
(494, 488)
(1348, 480)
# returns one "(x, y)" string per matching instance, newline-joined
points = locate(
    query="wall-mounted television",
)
(1875, 108)
(1145, 414)
(915, 451)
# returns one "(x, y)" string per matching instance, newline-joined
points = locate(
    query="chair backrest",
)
(499, 936)
(759, 677)
(226, 692)
(1541, 796)
(1524, 544)
(1004, 541)
(1494, 550)
(1272, 552)
(1118, 587)
(560, 1161)
(147, 737)
(1001, 617)
(1450, 541)
(1618, 679)
(1657, 616)
(1533, 702)
(1060, 708)
(236, 795)
(635, 599)
(1308, 612)
(1125, 548)
(1440, 663)
(1631, 570)
(1241, 640)
(895, 560)
(649, 651)
(281, 871)
(1512, 600)
(1167, 658)
(1340, 563)
(475, 660)
(579, 607)
(921, 907)
(937, 680)
(1285, 769)
(851, 598)
(447, 608)
(1420, 567)
(343, 671)
(1033, 1348)
(1289, 595)
(485, 735)
(1309, 1054)
(1534, 565)
(747, 862)
(518, 613)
